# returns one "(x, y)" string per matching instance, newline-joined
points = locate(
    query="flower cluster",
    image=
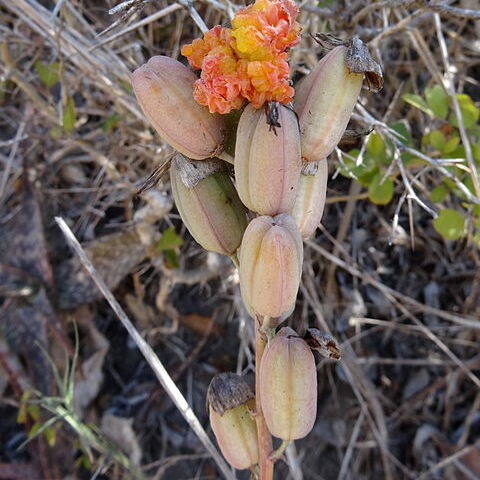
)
(247, 61)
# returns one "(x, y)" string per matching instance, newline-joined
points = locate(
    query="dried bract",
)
(230, 402)
(324, 343)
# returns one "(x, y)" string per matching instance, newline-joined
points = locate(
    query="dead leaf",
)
(119, 430)
(89, 378)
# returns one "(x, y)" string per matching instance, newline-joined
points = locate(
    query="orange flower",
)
(248, 61)
(200, 48)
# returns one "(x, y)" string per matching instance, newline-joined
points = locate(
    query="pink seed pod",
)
(210, 209)
(288, 386)
(324, 102)
(164, 90)
(271, 257)
(310, 201)
(267, 161)
(231, 403)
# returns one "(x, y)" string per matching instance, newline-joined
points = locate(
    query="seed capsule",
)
(210, 209)
(288, 386)
(164, 90)
(271, 258)
(310, 201)
(324, 102)
(230, 402)
(267, 161)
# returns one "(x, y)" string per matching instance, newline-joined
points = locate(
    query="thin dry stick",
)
(160, 372)
(11, 157)
(450, 87)
(351, 444)
(369, 279)
(446, 461)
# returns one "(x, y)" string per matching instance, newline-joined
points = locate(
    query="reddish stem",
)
(264, 438)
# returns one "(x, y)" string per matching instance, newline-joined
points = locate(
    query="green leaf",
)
(56, 131)
(35, 429)
(438, 194)
(376, 147)
(437, 140)
(451, 145)
(450, 224)
(69, 115)
(51, 436)
(476, 151)
(171, 259)
(470, 112)
(34, 411)
(402, 128)
(378, 192)
(111, 122)
(169, 240)
(418, 102)
(363, 172)
(476, 238)
(48, 73)
(437, 100)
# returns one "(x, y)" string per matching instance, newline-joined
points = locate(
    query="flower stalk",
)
(265, 446)
(251, 185)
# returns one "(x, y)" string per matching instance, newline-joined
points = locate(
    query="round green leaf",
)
(437, 100)
(438, 194)
(437, 140)
(380, 192)
(450, 224)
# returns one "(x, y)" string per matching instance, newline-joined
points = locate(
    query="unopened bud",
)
(164, 90)
(267, 160)
(288, 386)
(271, 257)
(324, 102)
(310, 201)
(210, 208)
(230, 403)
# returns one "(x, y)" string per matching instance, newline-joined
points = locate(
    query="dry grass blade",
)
(150, 356)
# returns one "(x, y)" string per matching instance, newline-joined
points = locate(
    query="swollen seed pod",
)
(324, 102)
(310, 201)
(271, 257)
(230, 403)
(288, 386)
(267, 161)
(164, 90)
(210, 208)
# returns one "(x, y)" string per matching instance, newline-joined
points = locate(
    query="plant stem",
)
(226, 157)
(234, 259)
(264, 437)
(274, 456)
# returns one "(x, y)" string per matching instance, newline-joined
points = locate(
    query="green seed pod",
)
(271, 259)
(324, 102)
(164, 90)
(209, 207)
(288, 386)
(231, 402)
(310, 201)
(267, 161)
